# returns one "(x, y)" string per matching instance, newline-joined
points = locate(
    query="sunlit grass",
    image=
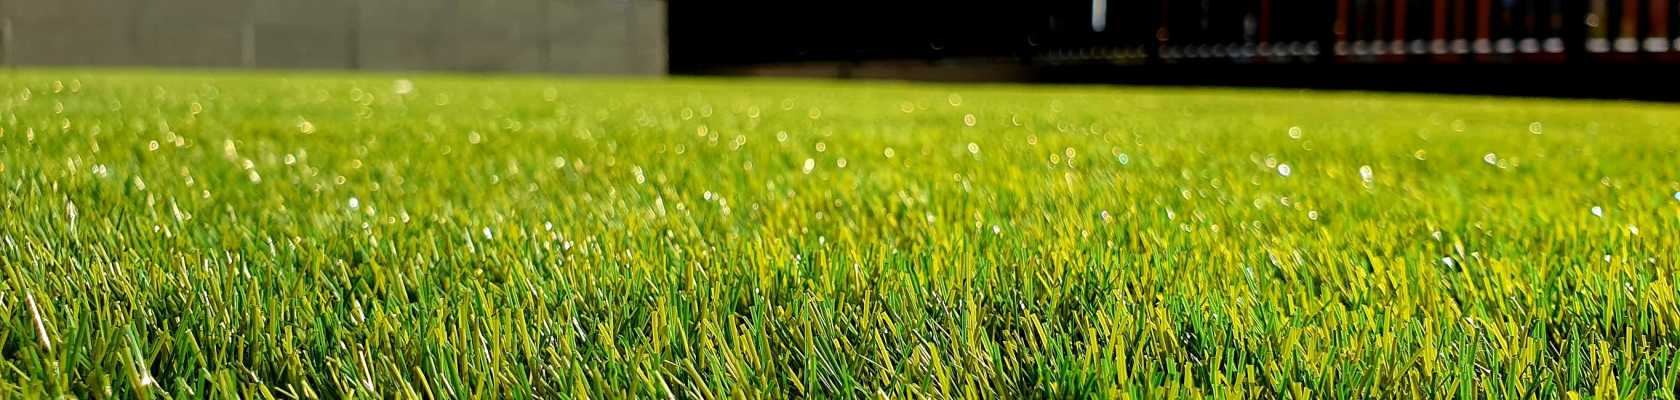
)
(188, 235)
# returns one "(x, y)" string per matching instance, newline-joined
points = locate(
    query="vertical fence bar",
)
(354, 41)
(5, 36)
(547, 42)
(6, 41)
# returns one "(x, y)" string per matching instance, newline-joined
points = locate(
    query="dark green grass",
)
(191, 235)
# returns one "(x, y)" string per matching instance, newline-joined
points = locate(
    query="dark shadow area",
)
(1600, 81)
(1611, 49)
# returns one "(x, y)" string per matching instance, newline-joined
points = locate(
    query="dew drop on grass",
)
(229, 150)
(1535, 128)
(973, 148)
(1490, 159)
(402, 87)
(146, 378)
(888, 152)
(355, 203)
(1295, 132)
(1312, 215)
(1598, 211)
(1283, 169)
(70, 211)
(487, 233)
(1124, 159)
(968, 119)
(810, 164)
(1365, 173)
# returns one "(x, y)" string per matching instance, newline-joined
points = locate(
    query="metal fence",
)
(558, 36)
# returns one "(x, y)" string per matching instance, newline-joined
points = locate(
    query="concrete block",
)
(405, 15)
(315, 14)
(189, 44)
(68, 11)
(396, 50)
(647, 38)
(563, 36)
(590, 37)
(162, 13)
(52, 42)
(299, 46)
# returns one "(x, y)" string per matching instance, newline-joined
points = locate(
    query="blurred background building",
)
(708, 35)
(1585, 48)
(1614, 48)
(570, 36)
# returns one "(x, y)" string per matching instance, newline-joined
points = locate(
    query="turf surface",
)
(194, 234)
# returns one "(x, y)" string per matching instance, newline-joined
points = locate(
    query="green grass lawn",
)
(214, 234)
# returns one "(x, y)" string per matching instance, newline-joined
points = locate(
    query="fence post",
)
(355, 41)
(631, 42)
(6, 41)
(547, 37)
(248, 36)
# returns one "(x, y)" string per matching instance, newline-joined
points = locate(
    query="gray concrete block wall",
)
(291, 46)
(647, 36)
(588, 47)
(101, 32)
(558, 36)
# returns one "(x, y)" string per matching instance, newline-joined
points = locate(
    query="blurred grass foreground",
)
(191, 235)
